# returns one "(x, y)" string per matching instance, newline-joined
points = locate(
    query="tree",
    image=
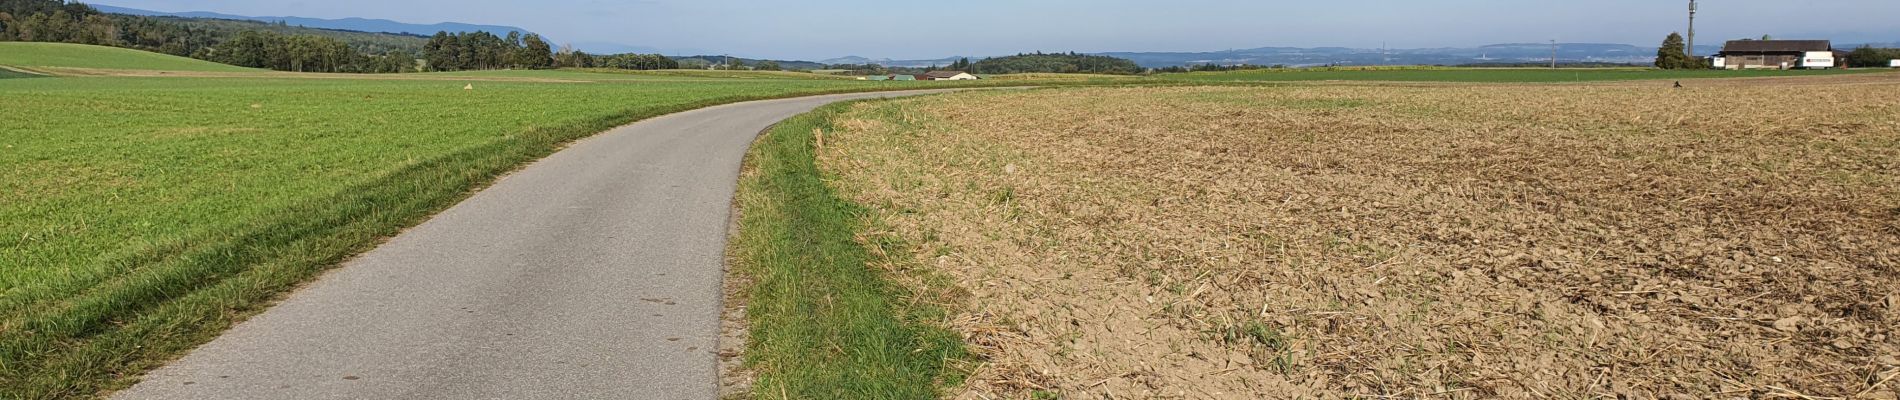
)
(767, 65)
(1673, 54)
(535, 52)
(441, 52)
(397, 61)
(1870, 57)
(567, 57)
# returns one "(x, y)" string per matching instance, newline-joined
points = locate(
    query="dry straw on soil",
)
(1727, 241)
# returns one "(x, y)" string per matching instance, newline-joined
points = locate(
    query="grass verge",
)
(825, 323)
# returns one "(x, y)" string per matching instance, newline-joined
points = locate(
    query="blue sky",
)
(818, 29)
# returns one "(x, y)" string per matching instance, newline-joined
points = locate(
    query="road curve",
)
(594, 273)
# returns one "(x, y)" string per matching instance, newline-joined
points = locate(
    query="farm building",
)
(1776, 54)
(948, 76)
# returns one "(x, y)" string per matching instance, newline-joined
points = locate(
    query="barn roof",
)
(1776, 46)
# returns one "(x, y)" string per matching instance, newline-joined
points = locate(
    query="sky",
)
(823, 29)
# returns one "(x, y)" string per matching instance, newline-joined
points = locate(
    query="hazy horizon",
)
(814, 31)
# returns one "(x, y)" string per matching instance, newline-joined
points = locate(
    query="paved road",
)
(592, 274)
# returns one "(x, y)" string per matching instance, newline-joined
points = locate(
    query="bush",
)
(1870, 57)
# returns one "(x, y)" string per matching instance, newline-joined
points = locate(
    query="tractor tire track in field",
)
(594, 273)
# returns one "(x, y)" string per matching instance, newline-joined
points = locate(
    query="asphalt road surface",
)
(592, 274)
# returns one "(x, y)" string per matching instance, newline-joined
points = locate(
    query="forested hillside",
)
(292, 48)
(242, 43)
(1056, 63)
(366, 42)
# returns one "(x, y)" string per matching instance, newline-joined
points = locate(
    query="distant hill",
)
(349, 24)
(1851, 46)
(1497, 53)
(701, 61)
(366, 42)
(1509, 53)
(855, 60)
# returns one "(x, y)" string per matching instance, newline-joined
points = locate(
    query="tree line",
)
(303, 53)
(1055, 63)
(482, 50)
(285, 48)
(1871, 57)
(225, 41)
(570, 58)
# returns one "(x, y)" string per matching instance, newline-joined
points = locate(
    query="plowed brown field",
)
(1720, 241)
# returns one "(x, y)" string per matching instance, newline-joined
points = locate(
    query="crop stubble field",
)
(1735, 240)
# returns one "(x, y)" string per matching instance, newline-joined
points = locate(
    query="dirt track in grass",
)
(1734, 239)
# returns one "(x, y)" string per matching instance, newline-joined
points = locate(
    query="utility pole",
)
(1553, 54)
(1692, 10)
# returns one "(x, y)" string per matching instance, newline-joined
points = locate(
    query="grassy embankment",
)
(1523, 241)
(139, 217)
(830, 317)
(1482, 75)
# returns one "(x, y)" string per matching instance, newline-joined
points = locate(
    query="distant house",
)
(948, 76)
(1776, 54)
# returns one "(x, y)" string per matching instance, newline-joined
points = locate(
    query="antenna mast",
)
(1553, 54)
(1692, 10)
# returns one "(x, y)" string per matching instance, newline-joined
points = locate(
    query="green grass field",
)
(1482, 75)
(62, 55)
(825, 322)
(140, 217)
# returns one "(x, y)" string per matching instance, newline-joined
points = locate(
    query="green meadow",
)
(64, 55)
(140, 217)
(1482, 75)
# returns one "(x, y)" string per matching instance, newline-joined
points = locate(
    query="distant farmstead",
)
(1776, 54)
(927, 76)
(948, 76)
